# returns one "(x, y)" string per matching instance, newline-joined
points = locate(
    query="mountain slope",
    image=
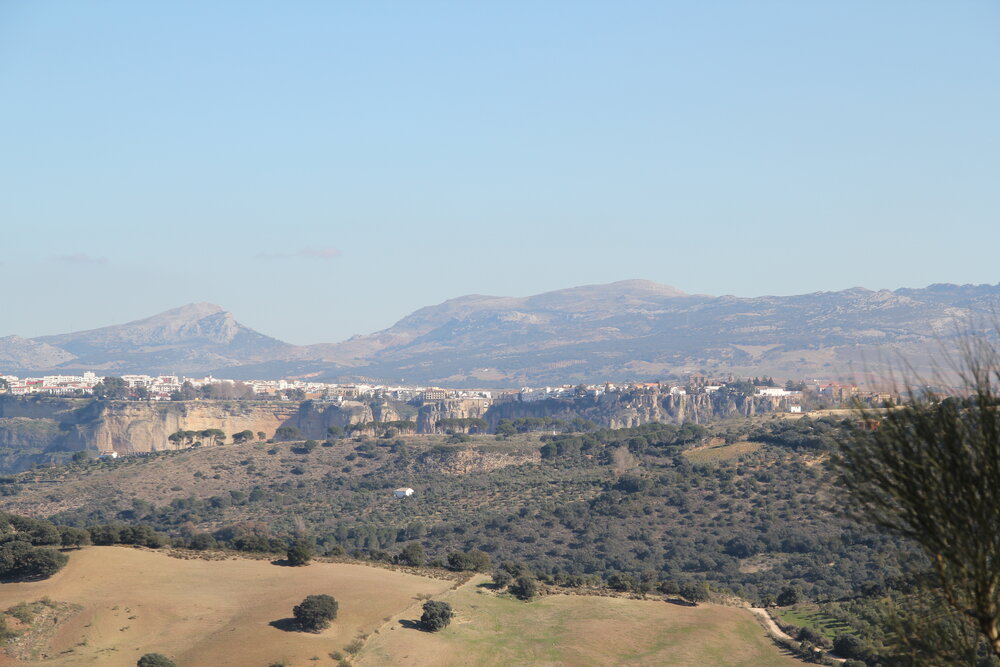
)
(190, 339)
(641, 330)
(629, 330)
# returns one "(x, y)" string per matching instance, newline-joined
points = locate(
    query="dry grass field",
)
(575, 630)
(208, 612)
(230, 612)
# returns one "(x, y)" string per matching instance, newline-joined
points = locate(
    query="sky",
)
(322, 169)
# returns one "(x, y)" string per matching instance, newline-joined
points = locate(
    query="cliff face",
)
(37, 429)
(430, 413)
(611, 410)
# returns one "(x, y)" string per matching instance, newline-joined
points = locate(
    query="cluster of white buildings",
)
(162, 387)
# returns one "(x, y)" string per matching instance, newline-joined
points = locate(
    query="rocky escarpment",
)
(610, 410)
(45, 429)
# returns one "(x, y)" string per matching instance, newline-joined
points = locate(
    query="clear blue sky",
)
(323, 168)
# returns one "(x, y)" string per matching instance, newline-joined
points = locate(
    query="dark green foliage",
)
(285, 433)
(849, 646)
(412, 554)
(437, 615)
(315, 612)
(524, 587)
(300, 553)
(201, 542)
(23, 552)
(70, 536)
(930, 471)
(788, 596)
(111, 387)
(502, 579)
(804, 433)
(474, 560)
(155, 660)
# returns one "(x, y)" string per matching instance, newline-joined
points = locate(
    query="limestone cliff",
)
(37, 429)
(610, 410)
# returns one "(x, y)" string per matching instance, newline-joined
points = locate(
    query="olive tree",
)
(930, 471)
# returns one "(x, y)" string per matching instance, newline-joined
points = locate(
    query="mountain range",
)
(628, 330)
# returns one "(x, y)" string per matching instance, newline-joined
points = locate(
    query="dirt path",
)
(780, 635)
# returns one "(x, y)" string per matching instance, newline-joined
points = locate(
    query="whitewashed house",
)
(403, 493)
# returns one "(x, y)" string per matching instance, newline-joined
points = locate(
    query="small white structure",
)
(403, 493)
(108, 455)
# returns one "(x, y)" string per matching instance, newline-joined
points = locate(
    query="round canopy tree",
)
(315, 612)
(437, 615)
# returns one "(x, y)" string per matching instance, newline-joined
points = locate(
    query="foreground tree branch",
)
(930, 471)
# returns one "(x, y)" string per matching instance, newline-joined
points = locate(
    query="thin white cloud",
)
(80, 258)
(308, 253)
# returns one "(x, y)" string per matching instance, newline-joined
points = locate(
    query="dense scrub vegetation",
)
(623, 506)
(28, 548)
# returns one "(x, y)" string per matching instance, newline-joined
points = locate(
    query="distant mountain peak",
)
(191, 312)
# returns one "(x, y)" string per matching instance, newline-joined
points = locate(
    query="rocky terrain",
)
(43, 429)
(630, 330)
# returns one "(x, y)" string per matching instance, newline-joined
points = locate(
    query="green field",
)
(575, 630)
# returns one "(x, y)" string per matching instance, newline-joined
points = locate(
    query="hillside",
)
(658, 503)
(235, 612)
(632, 329)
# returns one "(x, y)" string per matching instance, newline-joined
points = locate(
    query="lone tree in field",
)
(155, 660)
(930, 471)
(315, 612)
(437, 615)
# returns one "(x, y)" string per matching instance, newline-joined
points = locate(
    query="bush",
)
(299, 553)
(524, 588)
(155, 660)
(849, 646)
(502, 579)
(315, 612)
(437, 615)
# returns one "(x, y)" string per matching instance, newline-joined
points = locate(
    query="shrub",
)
(315, 612)
(502, 578)
(299, 553)
(155, 660)
(524, 587)
(437, 615)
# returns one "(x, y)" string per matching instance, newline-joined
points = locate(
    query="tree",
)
(288, 433)
(524, 587)
(437, 615)
(300, 553)
(315, 612)
(930, 471)
(412, 554)
(111, 387)
(502, 579)
(155, 660)
(73, 537)
(788, 596)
